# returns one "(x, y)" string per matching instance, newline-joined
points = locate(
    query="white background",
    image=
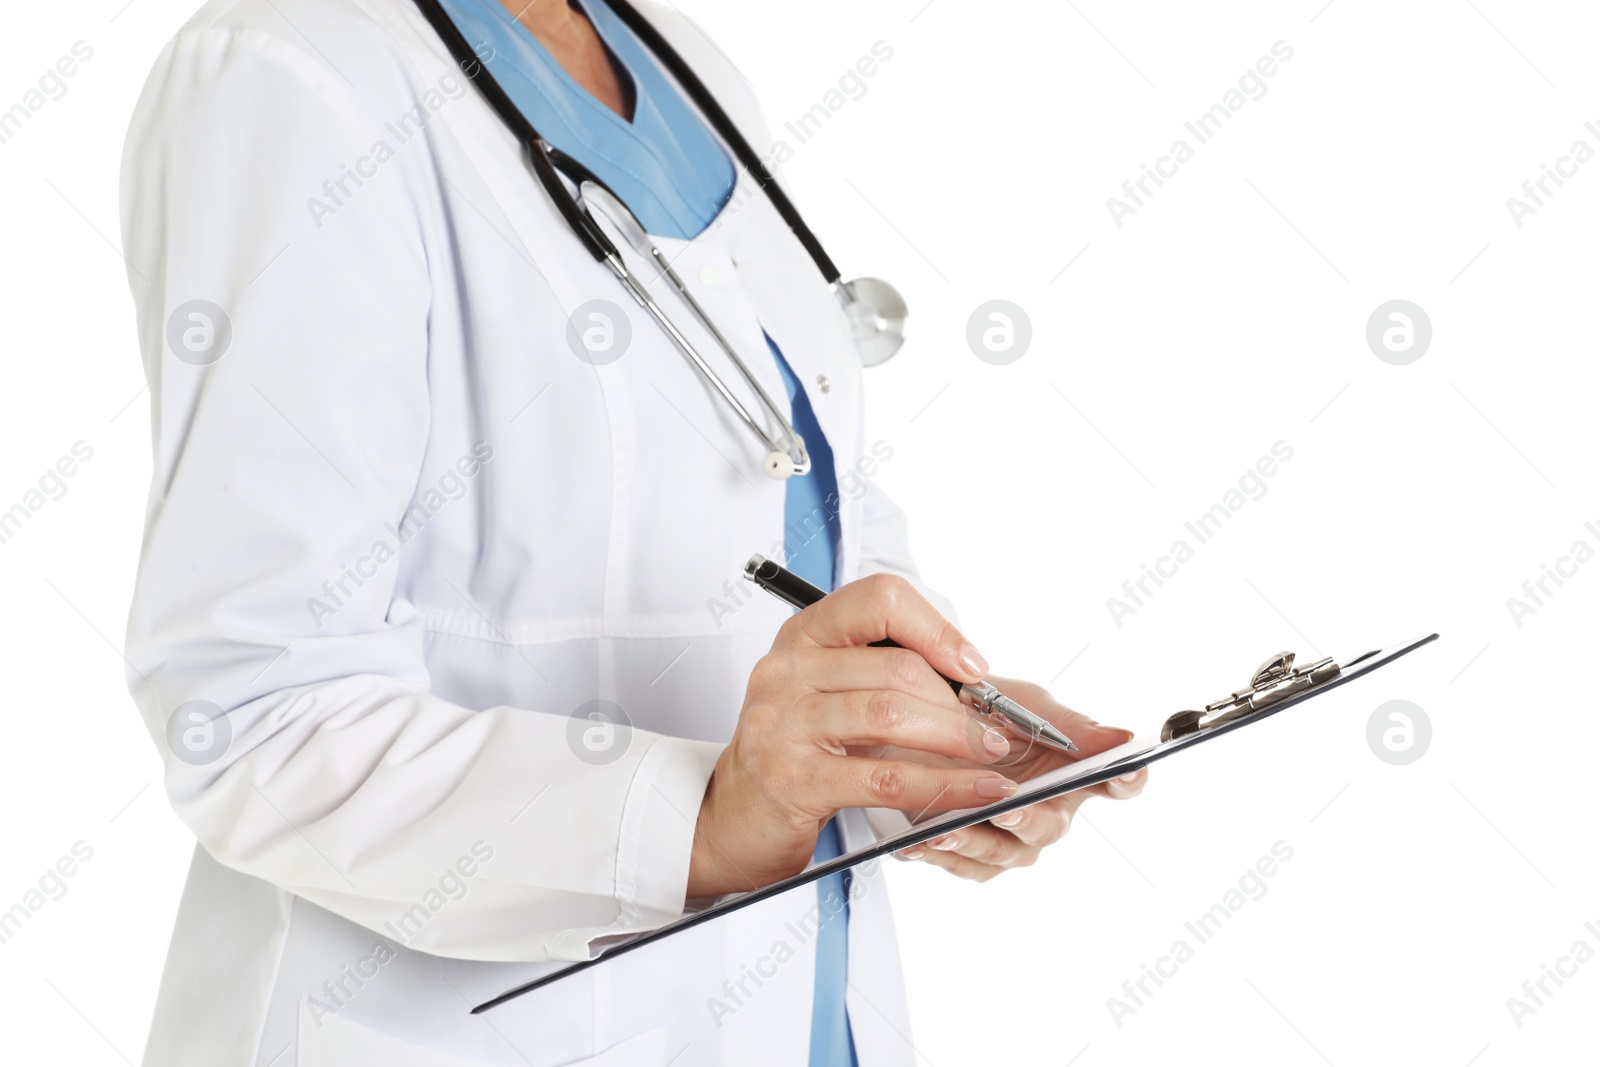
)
(1227, 314)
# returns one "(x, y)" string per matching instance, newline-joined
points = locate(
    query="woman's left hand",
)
(983, 850)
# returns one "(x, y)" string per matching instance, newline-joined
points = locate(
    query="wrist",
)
(706, 875)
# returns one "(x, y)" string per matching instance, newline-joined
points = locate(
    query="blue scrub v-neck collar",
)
(576, 90)
(663, 162)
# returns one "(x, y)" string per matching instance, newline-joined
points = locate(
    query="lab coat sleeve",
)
(303, 747)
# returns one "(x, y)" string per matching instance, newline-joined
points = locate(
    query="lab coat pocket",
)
(337, 1042)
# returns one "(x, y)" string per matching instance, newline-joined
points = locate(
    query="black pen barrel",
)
(801, 594)
(783, 584)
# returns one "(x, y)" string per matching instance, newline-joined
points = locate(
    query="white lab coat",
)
(399, 534)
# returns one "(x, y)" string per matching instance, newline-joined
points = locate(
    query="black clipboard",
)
(1277, 685)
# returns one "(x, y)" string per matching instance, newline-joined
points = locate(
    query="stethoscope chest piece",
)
(876, 313)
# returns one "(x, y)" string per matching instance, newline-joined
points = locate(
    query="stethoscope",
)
(872, 307)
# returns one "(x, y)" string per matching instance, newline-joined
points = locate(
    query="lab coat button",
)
(822, 382)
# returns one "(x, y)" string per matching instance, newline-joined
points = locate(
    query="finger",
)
(885, 717)
(1121, 788)
(1127, 785)
(885, 606)
(843, 670)
(1091, 737)
(1039, 824)
(861, 782)
(986, 845)
(960, 866)
(1048, 821)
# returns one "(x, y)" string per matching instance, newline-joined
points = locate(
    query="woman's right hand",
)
(820, 708)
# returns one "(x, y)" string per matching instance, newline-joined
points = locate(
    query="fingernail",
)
(995, 788)
(1130, 777)
(972, 661)
(946, 843)
(910, 854)
(996, 742)
(1009, 819)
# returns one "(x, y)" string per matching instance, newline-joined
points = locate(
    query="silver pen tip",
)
(1050, 733)
(1041, 726)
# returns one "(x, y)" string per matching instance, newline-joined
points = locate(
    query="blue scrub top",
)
(674, 175)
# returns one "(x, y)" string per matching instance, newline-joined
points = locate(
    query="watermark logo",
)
(1536, 192)
(199, 332)
(599, 332)
(51, 886)
(1251, 85)
(198, 733)
(1399, 332)
(851, 85)
(800, 531)
(51, 86)
(454, 484)
(453, 884)
(338, 190)
(52, 485)
(799, 931)
(999, 332)
(1537, 591)
(599, 732)
(1399, 732)
(1537, 991)
(1252, 485)
(1251, 885)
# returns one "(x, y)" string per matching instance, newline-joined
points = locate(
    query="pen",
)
(982, 697)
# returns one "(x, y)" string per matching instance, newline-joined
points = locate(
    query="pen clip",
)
(1275, 680)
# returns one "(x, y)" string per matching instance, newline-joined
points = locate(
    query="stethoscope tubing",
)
(802, 462)
(541, 157)
(729, 131)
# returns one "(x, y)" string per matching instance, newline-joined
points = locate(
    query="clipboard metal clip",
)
(1276, 679)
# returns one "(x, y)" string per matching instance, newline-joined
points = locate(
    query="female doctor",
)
(433, 622)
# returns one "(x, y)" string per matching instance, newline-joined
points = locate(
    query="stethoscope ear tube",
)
(534, 147)
(875, 313)
(729, 131)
